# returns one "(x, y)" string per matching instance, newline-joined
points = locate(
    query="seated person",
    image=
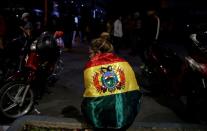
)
(111, 99)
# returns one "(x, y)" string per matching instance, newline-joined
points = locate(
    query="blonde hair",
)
(105, 35)
(101, 44)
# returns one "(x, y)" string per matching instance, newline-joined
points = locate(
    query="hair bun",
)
(105, 35)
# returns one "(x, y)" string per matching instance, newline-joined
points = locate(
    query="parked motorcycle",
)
(58, 35)
(162, 65)
(26, 86)
(197, 65)
(183, 80)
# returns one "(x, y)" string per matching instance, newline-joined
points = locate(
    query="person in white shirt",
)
(117, 34)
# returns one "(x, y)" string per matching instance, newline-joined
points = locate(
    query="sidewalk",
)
(45, 122)
(3, 128)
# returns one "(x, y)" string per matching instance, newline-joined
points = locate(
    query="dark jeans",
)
(68, 39)
(117, 42)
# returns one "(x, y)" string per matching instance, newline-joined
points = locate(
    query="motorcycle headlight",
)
(33, 46)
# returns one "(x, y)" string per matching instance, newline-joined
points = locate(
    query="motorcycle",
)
(21, 90)
(183, 80)
(197, 65)
(58, 35)
(162, 65)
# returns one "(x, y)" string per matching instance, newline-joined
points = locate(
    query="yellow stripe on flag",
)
(109, 79)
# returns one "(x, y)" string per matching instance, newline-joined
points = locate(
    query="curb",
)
(167, 126)
(70, 123)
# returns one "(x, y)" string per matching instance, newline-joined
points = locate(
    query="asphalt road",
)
(65, 96)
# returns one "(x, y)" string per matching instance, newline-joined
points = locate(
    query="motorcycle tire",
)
(58, 67)
(12, 104)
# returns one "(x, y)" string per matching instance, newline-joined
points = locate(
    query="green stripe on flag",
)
(114, 111)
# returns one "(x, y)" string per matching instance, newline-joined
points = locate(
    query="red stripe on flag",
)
(103, 59)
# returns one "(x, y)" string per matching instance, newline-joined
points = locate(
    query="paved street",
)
(65, 97)
(67, 92)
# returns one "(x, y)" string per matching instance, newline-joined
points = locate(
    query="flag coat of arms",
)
(111, 97)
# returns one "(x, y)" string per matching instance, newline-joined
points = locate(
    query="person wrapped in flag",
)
(111, 98)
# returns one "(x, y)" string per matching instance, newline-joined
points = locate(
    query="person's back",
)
(111, 97)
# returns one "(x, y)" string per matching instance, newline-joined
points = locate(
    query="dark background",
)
(179, 12)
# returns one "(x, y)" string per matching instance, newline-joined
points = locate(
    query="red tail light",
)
(58, 34)
(204, 69)
(32, 61)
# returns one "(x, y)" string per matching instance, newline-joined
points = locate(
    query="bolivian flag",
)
(111, 96)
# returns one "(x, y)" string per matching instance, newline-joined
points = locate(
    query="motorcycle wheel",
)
(58, 67)
(12, 104)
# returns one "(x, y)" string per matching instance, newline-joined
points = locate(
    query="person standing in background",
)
(109, 26)
(151, 30)
(136, 35)
(117, 34)
(26, 23)
(151, 25)
(68, 31)
(77, 32)
(2, 31)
